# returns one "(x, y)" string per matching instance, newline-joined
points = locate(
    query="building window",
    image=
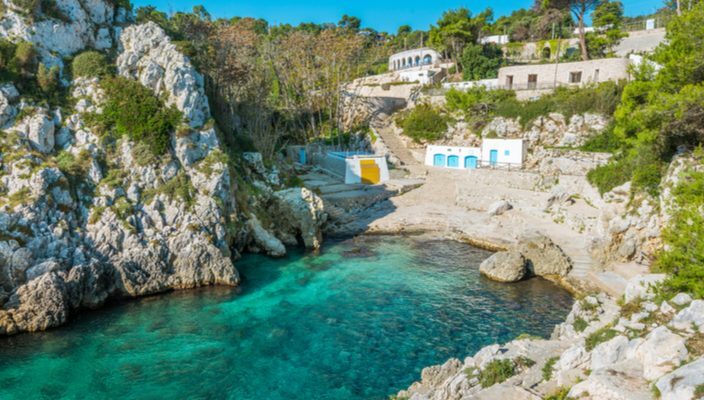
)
(507, 153)
(596, 76)
(509, 82)
(532, 82)
(576, 77)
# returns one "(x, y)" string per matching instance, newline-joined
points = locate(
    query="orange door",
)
(370, 172)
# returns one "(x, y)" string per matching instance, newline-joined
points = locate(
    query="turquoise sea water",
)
(358, 321)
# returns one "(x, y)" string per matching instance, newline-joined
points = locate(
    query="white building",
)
(495, 39)
(368, 169)
(493, 153)
(413, 59)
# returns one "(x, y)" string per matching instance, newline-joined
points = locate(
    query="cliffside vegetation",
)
(134, 111)
(480, 105)
(660, 115)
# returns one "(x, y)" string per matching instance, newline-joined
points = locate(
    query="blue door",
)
(470, 162)
(302, 156)
(439, 160)
(493, 157)
(453, 161)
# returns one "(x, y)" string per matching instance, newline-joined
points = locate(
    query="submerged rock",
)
(504, 266)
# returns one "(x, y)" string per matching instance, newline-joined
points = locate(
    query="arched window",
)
(417, 60)
(428, 59)
(410, 62)
(546, 53)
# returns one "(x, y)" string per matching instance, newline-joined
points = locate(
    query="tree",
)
(48, 79)
(456, 29)
(403, 30)
(481, 61)
(351, 23)
(580, 9)
(607, 18)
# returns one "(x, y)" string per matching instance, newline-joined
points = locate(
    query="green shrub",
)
(177, 188)
(424, 122)
(548, 368)
(90, 64)
(609, 176)
(48, 79)
(25, 59)
(580, 324)
(132, 110)
(561, 394)
(51, 9)
(602, 335)
(496, 371)
(683, 255)
(606, 142)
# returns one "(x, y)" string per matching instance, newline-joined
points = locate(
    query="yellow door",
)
(370, 172)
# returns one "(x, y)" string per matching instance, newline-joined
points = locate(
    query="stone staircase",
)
(382, 127)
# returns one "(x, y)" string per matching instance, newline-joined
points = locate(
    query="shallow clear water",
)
(358, 321)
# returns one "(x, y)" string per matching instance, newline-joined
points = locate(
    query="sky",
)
(382, 15)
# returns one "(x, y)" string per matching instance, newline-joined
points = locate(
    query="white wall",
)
(353, 172)
(510, 151)
(609, 69)
(423, 77)
(464, 85)
(496, 39)
(447, 151)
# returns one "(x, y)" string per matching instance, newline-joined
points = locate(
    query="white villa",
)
(414, 58)
(493, 153)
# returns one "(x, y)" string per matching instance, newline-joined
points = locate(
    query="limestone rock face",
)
(504, 266)
(690, 317)
(300, 213)
(39, 305)
(543, 255)
(89, 24)
(661, 352)
(40, 133)
(267, 241)
(682, 382)
(149, 56)
(641, 287)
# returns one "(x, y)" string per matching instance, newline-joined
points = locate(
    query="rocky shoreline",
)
(641, 348)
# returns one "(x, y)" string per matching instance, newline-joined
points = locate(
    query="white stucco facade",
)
(547, 76)
(492, 153)
(353, 170)
(413, 58)
(508, 151)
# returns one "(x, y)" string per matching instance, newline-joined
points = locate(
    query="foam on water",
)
(358, 321)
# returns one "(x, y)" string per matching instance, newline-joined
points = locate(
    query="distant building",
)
(495, 39)
(493, 153)
(548, 76)
(414, 59)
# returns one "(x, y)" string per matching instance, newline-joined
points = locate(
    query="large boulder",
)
(641, 287)
(683, 382)
(40, 133)
(264, 239)
(504, 266)
(661, 352)
(690, 317)
(300, 214)
(40, 304)
(544, 257)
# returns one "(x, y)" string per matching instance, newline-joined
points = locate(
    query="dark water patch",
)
(359, 320)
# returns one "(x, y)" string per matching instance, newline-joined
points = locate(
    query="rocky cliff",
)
(83, 219)
(643, 349)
